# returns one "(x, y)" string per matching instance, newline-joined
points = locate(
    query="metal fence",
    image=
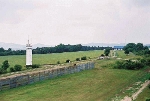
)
(29, 78)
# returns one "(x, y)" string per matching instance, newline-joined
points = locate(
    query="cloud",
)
(74, 21)
(141, 2)
(9, 10)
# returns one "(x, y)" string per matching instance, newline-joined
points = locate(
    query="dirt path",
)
(134, 96)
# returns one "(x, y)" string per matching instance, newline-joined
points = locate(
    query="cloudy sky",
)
(51, 22)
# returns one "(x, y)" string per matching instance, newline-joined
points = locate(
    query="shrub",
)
(5, 65)
(2, 71)
(58, 62)
(128, 65)
(149, 86)
(35, 66)
(102, 55)
(77, 59)
(67, 61)
(12, 69)
(118, 65)
(83, 58)
(147, 99)
(148, 61)
(17, 67)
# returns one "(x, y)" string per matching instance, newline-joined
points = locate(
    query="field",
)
(144, 95)
(49, 58)
(100, 84)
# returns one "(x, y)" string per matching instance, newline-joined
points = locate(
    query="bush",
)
(5, 65)
(147, 99)
(17, 67)
(102, 55)
(77, 59)
(118, 65)
(128, 65)
(12, 69)
(149, 86)
(35, 66)
(83, 58)
(67, 61)
(58, 62)
(148, 61)
(2, 71)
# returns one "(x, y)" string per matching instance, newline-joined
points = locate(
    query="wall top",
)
(28, 45)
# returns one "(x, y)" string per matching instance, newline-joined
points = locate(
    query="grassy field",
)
(50, 58)
(144, 95)
(100, 84)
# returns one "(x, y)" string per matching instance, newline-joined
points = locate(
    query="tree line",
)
(66, 48)
(9, 51)
(138, 49)
(56, 49)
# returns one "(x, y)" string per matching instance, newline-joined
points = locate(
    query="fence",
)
(29, 78)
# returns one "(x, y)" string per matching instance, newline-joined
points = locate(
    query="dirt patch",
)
(126, 98)
(134, 96)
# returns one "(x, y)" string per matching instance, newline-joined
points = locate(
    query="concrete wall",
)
(29, 78)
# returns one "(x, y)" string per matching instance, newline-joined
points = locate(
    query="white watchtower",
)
(28, 54)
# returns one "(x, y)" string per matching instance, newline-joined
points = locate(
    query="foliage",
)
(17, 67)
(58, 62)
(138, 49)
(83, 58)
(35, 66)
(5, 65)
(11, 52)
(149, 86)
(147, 99)
(2, 71)
(67, 61)
(77, 59)
(57, 49)
(126, 51)
(102, 55)
(107, 51)
(66, 48)
(128, 64)
(12, 69)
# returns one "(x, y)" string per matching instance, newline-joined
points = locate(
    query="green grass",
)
(49, 58)
(121, 54)
(99, 84)
(144, 95)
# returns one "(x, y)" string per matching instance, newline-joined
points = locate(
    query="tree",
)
(126, 52)
(5, 65)
(2, 49)
(107, 51)
(131, 47)
(139, 46)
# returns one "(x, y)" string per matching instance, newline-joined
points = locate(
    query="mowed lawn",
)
(100, 84)
(50, 58)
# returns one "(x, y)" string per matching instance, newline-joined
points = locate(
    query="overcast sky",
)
(52, 22)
